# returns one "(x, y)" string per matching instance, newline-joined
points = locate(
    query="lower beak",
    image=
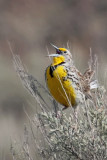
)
(53, 55)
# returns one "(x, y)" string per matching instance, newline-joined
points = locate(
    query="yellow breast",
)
(60, 87)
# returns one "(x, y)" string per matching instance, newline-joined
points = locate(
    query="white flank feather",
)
(94, 84)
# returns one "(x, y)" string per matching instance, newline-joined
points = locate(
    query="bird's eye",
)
(65, 51)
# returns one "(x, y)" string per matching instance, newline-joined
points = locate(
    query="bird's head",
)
(61, 55)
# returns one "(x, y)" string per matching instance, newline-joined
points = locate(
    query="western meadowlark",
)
(66, 84)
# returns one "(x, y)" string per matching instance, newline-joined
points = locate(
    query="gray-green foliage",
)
(69, 140)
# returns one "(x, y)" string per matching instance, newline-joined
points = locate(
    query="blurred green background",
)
(30, 25)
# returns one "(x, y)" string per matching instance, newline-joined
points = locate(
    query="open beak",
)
(54, 55)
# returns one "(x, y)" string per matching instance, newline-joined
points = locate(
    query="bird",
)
(67, 85)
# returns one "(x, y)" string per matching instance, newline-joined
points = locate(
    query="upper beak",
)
(54, 46)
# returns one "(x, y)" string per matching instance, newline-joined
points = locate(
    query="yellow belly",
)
(60, 88)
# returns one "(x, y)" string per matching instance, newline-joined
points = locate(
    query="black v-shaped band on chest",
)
(52, 68)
